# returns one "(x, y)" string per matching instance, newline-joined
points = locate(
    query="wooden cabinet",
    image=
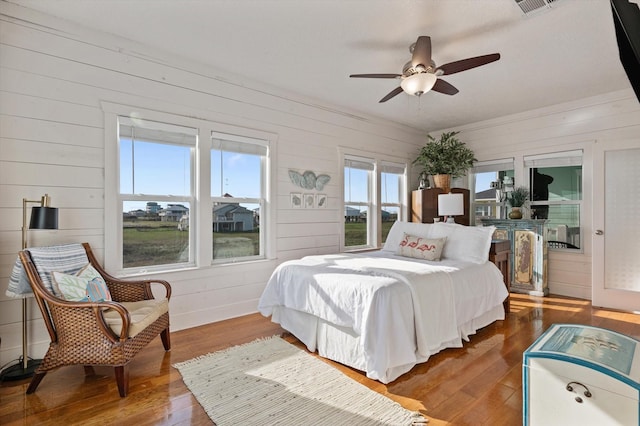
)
(528, 270)
(581, 375)
(424, 205)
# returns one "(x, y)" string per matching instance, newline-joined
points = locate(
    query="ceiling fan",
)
(420, 74)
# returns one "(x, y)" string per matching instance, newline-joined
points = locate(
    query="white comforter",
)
(379, 295)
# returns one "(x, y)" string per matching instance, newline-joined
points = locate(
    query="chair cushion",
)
(143, 313)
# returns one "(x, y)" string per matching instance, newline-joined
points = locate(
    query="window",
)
(555, 182)
(237, 195)
(491, 181)
(373, 200)
(358, 201)
(156, 192)
(391, 186)
(184, 192)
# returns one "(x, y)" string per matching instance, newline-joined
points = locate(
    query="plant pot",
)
(515, 213)
(442, 181)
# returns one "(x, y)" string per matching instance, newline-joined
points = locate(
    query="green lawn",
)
(355, 233)
(148, 243)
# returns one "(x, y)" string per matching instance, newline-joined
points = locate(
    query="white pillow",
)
(421, 248)
(467, 243)
(397, 231)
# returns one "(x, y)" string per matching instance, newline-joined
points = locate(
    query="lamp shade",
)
(450, 204)
(417, 84)
(44, 218)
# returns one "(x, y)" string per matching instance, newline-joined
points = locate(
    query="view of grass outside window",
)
(155, 192)
(237, 186)
(359, 175)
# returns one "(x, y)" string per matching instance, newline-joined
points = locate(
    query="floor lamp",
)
(42, 217)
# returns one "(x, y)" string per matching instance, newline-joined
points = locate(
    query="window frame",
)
(260, 201)
(200, 211)
(552, 160)
(497, 166)
(374, 202)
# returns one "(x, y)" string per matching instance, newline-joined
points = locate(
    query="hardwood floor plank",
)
(478, 384)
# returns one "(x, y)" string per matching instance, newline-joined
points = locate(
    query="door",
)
(616, 230)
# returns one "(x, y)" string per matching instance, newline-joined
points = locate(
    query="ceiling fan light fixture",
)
(417, 84)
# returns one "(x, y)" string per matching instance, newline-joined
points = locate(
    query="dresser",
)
(581, 375)
(528, 269)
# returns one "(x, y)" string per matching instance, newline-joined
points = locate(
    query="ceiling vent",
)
(529, 7)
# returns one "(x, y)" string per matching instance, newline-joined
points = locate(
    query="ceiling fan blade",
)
(375, 75)
(422, 52)
(465, 64)
(444, 87)
(391, 94)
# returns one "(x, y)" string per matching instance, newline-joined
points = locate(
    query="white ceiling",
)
(309, 47)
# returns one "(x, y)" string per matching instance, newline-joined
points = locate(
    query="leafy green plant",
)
(445, 156)
(518, 196)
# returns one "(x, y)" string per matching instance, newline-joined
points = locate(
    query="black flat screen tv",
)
(626, 19)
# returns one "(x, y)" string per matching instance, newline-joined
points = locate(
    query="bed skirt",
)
(343, 345)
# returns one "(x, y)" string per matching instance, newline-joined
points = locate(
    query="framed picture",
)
(296, 200)
(321, 201)
(309, 201)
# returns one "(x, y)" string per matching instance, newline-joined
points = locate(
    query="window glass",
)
(492, 180)
(556, 194)
(237, 182)
(155, 233)
(391, 181)
(156, 192)
(357, 184)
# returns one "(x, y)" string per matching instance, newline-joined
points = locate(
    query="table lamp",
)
(450, 205)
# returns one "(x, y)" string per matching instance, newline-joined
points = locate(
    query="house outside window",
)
(491, 181)
(373, 200)
(238, 176)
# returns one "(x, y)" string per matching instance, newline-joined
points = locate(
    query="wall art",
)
(309, 180)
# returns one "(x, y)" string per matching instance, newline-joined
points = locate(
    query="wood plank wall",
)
(572, 125)
(53, 78)
(54, 75)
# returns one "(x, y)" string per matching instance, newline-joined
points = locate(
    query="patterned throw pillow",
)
(421, 248)
(86, 286)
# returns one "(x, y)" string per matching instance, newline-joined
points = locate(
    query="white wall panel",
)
(54, 78)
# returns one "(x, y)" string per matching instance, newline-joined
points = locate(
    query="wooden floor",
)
(479, 384)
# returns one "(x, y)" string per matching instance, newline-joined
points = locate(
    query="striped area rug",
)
(271, 382)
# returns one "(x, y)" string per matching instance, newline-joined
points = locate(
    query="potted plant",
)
(445, 158)
(516, 200)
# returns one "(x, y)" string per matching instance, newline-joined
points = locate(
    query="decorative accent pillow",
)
(86, 286)
(397, 231)
(421, 248)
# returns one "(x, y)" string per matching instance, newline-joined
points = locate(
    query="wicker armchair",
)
(97, 333)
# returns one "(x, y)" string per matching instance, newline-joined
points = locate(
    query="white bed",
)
(383, 313)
